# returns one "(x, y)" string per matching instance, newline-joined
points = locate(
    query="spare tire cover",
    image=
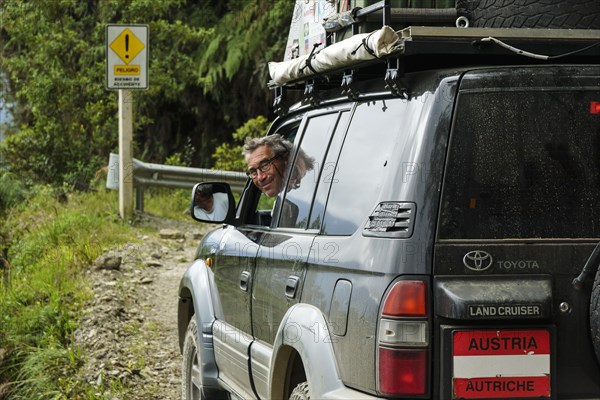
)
(595, 315)
(571, 14)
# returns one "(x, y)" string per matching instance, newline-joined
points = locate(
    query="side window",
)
(327, 172)
(304, 173)
(525, 166)
(364, 158)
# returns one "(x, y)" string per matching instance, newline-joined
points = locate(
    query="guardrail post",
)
(139, 198)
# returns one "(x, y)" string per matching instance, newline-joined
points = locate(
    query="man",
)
(267, 158)
(210, 205)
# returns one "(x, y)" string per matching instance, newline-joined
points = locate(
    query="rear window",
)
(523, 164)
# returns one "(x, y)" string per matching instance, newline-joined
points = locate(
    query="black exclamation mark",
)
(127, 46)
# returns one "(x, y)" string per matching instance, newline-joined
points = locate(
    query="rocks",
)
(171, 234)
(153, 263)
(110, 260)
(128, 334)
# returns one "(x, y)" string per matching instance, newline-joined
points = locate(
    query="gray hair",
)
(309, 161)
(276, 142)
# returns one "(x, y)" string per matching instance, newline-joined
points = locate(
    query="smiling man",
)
(267, 158)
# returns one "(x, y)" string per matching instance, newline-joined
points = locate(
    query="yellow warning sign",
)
(127, 70)
(127, 49)
(127, 46)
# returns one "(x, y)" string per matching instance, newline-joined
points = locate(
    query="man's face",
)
(205, 202)
(270, 180)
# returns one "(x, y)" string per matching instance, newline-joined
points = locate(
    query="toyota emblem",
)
(478, 260)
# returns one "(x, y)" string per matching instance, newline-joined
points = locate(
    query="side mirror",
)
(212, 202)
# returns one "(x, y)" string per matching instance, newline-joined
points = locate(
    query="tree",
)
(228, 156)
(43, 59)
(238, 50)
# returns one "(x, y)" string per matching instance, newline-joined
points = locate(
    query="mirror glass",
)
(210, 202)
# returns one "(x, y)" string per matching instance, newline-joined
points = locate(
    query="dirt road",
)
(129, 331)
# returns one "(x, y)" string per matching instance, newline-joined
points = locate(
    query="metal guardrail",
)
(170, 176)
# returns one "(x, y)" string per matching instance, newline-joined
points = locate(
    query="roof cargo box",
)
(405, 3)
(323, 22)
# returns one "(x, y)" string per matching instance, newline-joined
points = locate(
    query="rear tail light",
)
(403, 340)
(403, 333)
(402, 371)
(407, 298)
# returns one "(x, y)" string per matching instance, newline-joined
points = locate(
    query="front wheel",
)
(191, 387)
(300, 392)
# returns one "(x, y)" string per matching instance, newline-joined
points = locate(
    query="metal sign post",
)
(126, 70)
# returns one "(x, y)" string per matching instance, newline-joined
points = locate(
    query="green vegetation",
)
(207, 76)
(228, 156)
(52, 243)
(176, 207)
(51, 239)
(207, 93)
(12, 190)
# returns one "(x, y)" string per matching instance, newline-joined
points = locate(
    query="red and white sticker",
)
(501, 364)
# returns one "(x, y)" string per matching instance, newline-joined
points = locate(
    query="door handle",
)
(244, 279)
(291, 286)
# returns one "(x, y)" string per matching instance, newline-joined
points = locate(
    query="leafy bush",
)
(12, 191)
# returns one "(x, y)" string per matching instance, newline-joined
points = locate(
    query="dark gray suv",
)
(454, 199)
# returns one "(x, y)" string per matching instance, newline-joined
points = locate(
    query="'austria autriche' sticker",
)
(501, 364)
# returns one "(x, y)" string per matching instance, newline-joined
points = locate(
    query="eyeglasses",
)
(264, 166)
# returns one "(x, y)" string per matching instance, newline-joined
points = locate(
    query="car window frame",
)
(248, 204)
(318, 171)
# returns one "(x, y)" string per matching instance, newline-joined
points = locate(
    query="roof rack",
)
(546, 43)
(425, 47)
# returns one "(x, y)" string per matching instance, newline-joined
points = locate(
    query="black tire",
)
(595, 315)
(300, 392)
(571, 14)
(191, 389)
(191, 382)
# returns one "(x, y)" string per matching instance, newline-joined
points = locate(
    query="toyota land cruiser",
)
(446, 239)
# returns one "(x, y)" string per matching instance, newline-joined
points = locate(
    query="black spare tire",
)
(571, 14)
(595, 315)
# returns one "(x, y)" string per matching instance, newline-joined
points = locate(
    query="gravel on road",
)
(128, 333)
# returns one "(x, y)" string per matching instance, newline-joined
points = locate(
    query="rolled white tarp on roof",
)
(362, 47)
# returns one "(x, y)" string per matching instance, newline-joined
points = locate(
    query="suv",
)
(445, 241)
